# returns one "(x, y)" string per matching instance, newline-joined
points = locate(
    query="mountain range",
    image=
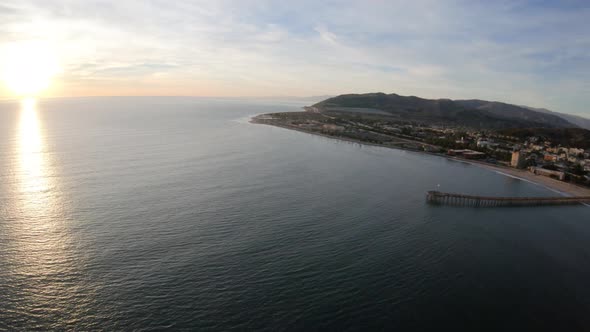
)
(472, 113)
(580, 121)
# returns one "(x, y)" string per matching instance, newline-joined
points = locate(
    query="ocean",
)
(152, 213)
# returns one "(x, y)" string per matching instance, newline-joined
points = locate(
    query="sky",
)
(534, 53)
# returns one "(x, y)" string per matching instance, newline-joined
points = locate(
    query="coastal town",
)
(536, 154)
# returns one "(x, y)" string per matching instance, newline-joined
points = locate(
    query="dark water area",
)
(176, 213)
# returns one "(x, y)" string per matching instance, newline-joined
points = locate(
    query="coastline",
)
(559, 187)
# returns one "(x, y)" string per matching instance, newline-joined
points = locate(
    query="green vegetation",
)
(577, 137)
(460, 113)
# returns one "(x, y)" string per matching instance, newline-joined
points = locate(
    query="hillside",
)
(469, 113)
(577, 137)
(579, 121)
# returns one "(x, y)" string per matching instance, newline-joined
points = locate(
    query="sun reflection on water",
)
(39, 229)
(43, 266)
(33, 166)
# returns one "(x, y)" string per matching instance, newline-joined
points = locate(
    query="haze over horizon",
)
(531, 53)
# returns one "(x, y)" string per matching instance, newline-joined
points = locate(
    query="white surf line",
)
(538, 184)
(533, 182)
(515, 177)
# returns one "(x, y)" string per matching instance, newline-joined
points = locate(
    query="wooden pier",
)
(437, 197)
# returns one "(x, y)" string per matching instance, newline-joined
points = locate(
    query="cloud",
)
(326, 35)
(524, 52)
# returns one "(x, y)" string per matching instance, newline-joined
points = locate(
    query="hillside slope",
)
(579, 121)
(469, 113)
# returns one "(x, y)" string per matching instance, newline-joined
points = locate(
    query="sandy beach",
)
(559, 187)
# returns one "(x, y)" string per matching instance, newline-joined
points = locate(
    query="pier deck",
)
(437, 197)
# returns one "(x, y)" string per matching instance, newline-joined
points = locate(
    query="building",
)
(518, 159)
(550, 157)
(467, 154)
(474, 155)
(548, 173)
(462, 141)
(456, 152)
(485, 143)
(573, 159)
(575, 152)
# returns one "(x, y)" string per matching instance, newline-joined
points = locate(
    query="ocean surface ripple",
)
(176, 213)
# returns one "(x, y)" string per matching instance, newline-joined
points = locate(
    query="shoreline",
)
(560, 187)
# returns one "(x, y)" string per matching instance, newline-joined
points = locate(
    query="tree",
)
(550, 167)
(577, 169)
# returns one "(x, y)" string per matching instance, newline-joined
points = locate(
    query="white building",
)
(518, 159)
(485, 143)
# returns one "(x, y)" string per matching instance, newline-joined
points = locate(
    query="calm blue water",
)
(153, 213)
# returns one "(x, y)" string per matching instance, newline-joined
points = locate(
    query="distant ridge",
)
(580, 121)
(469, 113)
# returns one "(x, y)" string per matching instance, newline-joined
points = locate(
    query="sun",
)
(28, 67)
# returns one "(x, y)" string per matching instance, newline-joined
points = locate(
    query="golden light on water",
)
(40, 235)
(38, 202)
(43, 262)
(33, 166)
(28, 67)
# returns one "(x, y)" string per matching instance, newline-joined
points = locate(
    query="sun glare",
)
(27, 68)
